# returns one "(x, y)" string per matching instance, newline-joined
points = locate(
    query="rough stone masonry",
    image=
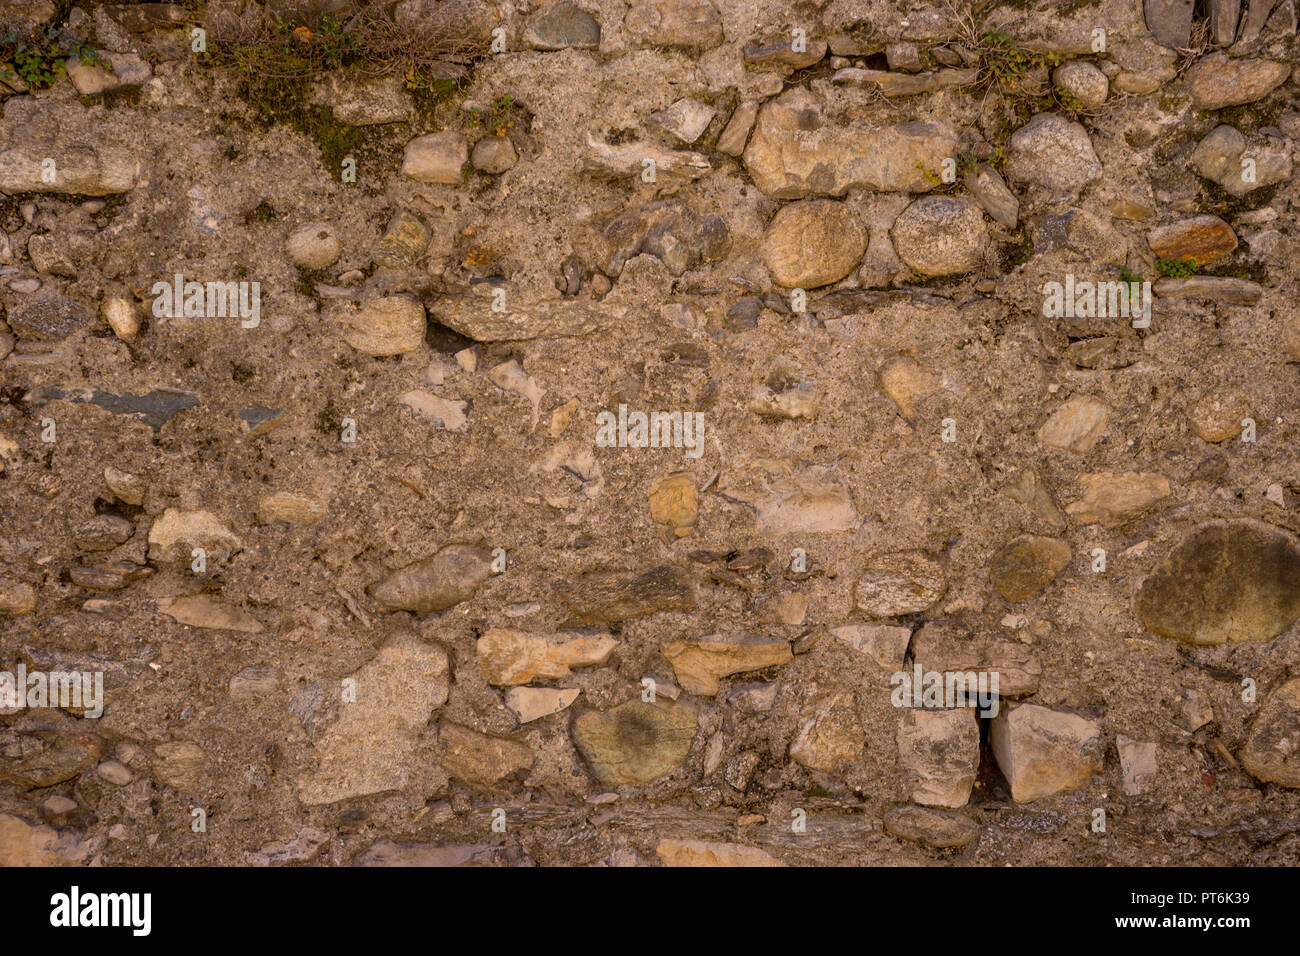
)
(366, 582)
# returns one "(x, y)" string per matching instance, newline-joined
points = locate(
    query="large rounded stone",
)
(1227, 581)
(1023, 567)
(1052, 152)
(1083, 81)
(813, 243)
(941, 236)
(636, 742)
(16, 597)
(902, 583)
(1220, 157)
(494, 154)
(565, 25)
(1075, 426)
(1219, 416)
(1218, 80)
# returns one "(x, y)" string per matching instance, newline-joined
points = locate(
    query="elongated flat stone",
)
(700, 664)
(81, 170)
(675, 166)
(942, 647)
(905, 84)
(1213, 288)
(199, 610)
(513, 657)
(155, 408)
(44, 758)
(473, 317)
(937, 829)
(1217, 80)
(886, 644)
(620, 596)
(435, 583)
(50, 317)
(1112, 499)
(533, 703)
(1203, 239)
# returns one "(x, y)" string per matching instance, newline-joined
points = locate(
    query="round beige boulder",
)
(313, 246)
(813, 243)
(940, 236)
(1083, 81)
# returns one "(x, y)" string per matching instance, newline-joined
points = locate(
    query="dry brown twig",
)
(1197, 47)
(377, 44)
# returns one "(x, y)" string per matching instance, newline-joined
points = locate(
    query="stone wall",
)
(596, 453)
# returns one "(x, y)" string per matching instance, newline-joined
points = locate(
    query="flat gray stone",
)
(155, 408)
(563, 26)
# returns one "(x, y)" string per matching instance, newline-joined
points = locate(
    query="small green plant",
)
(278, 63)
(497, 118)
(1177, 268)
(1133, 280)
(1006, 65)
(38, 59)
(1069, 100)
(930, 175)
